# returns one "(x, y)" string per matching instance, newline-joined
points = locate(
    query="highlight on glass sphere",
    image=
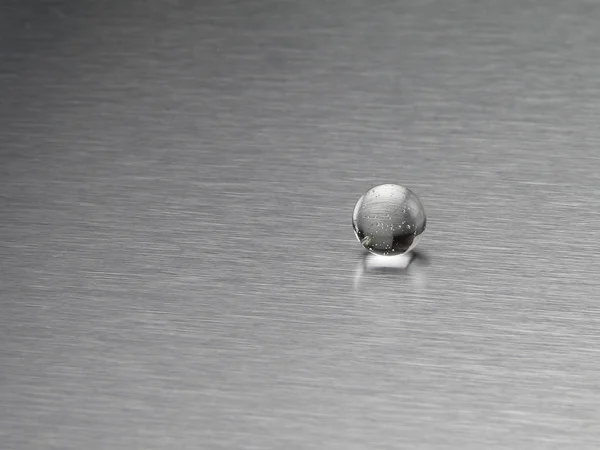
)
(389, 220)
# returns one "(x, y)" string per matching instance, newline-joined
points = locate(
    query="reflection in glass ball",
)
(389, 220)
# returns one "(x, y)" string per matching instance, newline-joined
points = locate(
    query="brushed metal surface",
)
(178, 268)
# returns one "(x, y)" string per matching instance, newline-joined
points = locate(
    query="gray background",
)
(178, 268)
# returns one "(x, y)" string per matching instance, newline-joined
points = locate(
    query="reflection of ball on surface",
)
(389, 219)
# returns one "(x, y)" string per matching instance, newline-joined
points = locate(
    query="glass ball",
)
(389, 220)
